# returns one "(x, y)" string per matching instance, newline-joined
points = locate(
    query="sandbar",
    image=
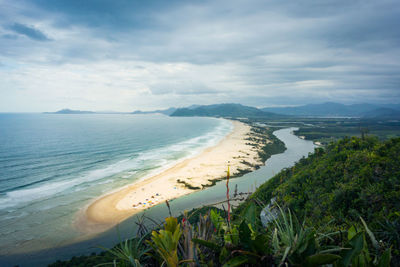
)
(184, 178)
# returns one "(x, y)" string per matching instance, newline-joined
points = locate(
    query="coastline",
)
(42, 253)
(185, 177)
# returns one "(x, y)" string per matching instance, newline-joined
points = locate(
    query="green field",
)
(326, 130)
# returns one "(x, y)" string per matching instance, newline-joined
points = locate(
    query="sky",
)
(128, 55)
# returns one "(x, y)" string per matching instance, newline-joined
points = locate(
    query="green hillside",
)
(351, 178)
(335, 186)
(224, 110)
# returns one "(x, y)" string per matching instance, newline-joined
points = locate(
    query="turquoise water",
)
(53, 165)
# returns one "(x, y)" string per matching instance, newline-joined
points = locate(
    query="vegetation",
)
(276, 146)
(331, 109)
(326, 130)
(335, 186)
(347, 195)
(216, 241)
(224, 110)
(261, 137)
(330, 130)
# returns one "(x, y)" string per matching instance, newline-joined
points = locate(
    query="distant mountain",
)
(70, 111)
(167, 112)
(392, 106)
(386, 113)
(110, 112)
(223, 110)
(328, 109)
(193, 106)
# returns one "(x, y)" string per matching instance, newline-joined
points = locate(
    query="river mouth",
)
(296, 149)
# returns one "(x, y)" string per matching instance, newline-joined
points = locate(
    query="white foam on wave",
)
(48, 189)
(192, 147)
(156, 159)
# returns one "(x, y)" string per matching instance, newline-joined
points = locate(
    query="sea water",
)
(52, 165)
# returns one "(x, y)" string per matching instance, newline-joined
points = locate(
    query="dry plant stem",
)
(169, 208)
(227, 196)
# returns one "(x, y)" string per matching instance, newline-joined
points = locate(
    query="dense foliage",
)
(215, 240)
(335, 186)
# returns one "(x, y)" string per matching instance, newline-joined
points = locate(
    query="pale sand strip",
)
(212, 163)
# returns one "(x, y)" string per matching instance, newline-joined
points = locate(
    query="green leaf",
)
(285, 254)
(356, 245)
(165, 242)
(370, 234)
(223, 255)
(171, 224)
(307, 245)
(275, 240)
(216, 219)
(260, 244)
(250, 214)
(208, 244)
(351, 232)
(384, 261)
(232, 235)
(236, 261)
(245, 235)
(320, 259)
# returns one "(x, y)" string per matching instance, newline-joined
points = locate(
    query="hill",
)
(386, 113)
(224, 110)
(335, 186)
(70, 111)
(331, 109)
(167, 112)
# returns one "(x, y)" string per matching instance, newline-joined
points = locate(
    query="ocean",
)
(53, 165)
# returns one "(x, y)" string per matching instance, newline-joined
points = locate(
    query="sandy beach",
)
(195, 173)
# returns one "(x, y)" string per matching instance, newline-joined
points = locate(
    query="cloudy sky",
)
(128, 55)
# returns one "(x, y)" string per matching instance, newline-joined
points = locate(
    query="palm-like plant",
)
(165, 242)
(187, 248)
(128, 252)
(294, 243)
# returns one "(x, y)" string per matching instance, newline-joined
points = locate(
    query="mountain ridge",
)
(223, 110)
(167, 111)
(327, 109)
(71, 111)
(333, 109)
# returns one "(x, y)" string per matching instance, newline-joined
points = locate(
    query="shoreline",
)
(185, 177)
(40, 252)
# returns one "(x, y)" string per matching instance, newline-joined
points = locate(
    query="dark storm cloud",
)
(255, 52)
